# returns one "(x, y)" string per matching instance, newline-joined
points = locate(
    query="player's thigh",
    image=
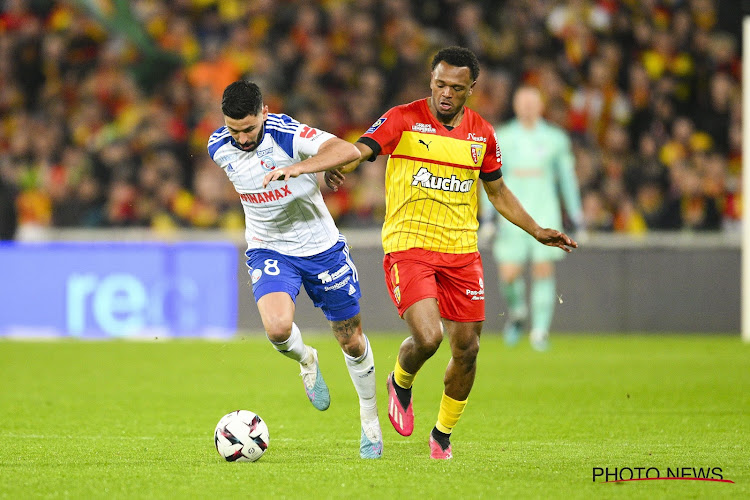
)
(272, 272)
(461, 288)
(409, 277)
(513, 245)
(332, 282)
(425, 323)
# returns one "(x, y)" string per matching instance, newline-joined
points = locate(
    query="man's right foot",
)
(539, 341)
(400, 407)
(371, 440)
(513, 332)
(315, 387)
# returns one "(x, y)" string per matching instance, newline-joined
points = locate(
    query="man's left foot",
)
(440, 445)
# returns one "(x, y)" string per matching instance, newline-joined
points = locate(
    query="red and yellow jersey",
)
(431, 177)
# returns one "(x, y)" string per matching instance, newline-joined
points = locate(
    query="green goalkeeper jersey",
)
(538, 167)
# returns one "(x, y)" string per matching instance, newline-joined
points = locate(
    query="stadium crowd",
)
(106, 106)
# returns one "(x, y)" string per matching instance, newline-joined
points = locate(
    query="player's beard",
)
(253, 145)
(447, 118)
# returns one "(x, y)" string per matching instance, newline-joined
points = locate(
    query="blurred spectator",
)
(105, 107)
(8, 216)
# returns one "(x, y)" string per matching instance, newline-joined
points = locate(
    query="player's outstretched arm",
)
(334, 153)
(335, 177)
(509, 207)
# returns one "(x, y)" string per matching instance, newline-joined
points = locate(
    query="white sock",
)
(293, 347)
(362, 372)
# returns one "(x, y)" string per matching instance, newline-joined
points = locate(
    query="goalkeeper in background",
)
(538, 165)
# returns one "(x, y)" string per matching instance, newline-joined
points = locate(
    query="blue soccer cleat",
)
(371, 442)
(315, 387)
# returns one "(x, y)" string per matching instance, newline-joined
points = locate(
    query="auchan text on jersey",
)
(426, 179)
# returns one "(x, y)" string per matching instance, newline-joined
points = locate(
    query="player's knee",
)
(466, 353)
(429, 341)
(355, 345)
(349, 335)
(278, 330)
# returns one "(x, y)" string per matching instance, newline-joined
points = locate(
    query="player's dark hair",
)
(240, 99)
(460, 57)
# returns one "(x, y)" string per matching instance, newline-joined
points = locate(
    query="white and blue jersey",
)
(292, 240)
(288, 216)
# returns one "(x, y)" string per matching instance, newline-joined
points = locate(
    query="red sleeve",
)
(493, 159)
(385, 133)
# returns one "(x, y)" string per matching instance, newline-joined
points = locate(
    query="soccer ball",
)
(241, 436)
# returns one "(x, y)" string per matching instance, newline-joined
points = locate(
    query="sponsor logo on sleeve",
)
(376, 125)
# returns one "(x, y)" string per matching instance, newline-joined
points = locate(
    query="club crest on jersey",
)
(424, 178)
(267, 163)
(397, 294)
(476, 152)
(376, 125)
(255, 275)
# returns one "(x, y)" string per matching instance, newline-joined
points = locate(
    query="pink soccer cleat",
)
(401, 418)
(437, 452)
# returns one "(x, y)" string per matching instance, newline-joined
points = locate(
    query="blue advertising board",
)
(113, 290)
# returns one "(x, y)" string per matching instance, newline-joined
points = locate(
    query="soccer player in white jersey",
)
(292, 241)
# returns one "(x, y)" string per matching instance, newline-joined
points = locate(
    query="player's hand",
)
(554, 238)
(281, 174)
(334, 178)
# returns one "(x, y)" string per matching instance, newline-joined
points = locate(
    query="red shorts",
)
(455, 280)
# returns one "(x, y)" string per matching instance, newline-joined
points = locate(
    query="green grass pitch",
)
(135, 420)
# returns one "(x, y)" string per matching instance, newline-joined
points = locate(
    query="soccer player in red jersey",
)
(438, 149)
